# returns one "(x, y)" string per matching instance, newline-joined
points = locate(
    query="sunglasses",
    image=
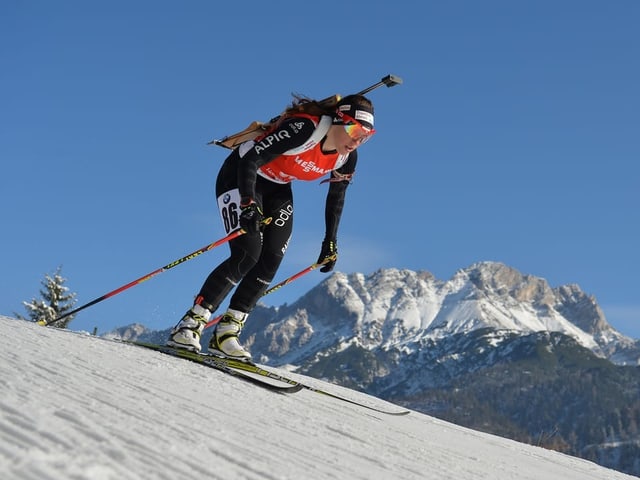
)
(355, 129)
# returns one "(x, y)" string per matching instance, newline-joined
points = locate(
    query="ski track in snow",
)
(78, 407)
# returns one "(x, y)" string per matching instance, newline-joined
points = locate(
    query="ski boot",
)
(224, 341)
(186, 334)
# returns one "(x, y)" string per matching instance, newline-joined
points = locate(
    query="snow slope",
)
(75, 406)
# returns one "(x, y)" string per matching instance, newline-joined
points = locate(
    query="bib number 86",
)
(228, 204)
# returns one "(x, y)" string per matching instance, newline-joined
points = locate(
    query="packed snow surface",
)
(75, 406)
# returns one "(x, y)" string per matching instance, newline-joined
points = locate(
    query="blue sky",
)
(514, 138)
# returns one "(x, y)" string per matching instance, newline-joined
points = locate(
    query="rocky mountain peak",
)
(392, 307)
(505, 281)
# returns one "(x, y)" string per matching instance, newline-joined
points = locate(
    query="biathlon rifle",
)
(257, 128)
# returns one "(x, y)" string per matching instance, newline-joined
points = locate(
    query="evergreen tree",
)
(55, 301)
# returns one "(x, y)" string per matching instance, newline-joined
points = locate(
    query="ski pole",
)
(280, 285)
(298, 275)
(175, 263)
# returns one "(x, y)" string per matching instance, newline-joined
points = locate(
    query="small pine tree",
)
(55, 301)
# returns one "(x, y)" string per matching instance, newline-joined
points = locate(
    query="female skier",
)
(254, 193)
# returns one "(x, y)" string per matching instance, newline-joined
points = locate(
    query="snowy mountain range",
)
(405, 310)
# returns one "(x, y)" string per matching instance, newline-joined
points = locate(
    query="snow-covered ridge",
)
(77, 406)
(393, 307)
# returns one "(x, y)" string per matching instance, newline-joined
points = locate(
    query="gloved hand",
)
(251, 218)
(329, 253)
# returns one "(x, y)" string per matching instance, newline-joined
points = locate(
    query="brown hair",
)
(302, 104)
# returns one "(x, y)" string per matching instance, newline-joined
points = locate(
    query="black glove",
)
(328, 255)
(251, 218)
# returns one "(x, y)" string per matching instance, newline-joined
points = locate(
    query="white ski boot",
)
(224, 341)
(186, 334)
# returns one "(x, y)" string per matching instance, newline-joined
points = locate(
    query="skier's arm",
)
(291, 134)
(340, 179)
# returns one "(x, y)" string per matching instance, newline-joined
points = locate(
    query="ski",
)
(238, 368)
(225, 365)
(243, 365)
